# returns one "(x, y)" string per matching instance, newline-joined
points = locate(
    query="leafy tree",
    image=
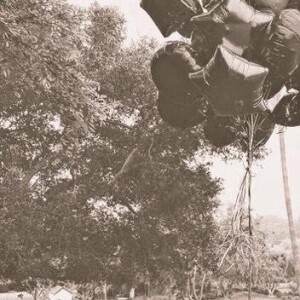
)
(94, 186)
(46, 109)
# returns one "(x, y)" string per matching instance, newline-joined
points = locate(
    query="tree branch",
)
(126, 166)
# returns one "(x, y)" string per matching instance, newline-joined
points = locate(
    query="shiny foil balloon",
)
(264, 128)
(170, 68)
(295, 4)
(180, 103)
(275, 5)
(219, 131)
(234, 85)
(181, 112)
(281, 52)
(287, 112)
(234, 24)
(172, 15)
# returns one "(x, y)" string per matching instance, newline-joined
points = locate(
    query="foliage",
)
(94, 187)
(245, 259)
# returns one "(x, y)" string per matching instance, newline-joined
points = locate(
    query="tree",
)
(107, 191)
(268, 269)
(48, 107)
(42, 85)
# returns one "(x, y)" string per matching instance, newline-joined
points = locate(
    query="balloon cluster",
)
(240, 57)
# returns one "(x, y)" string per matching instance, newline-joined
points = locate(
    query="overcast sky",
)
(268, 197)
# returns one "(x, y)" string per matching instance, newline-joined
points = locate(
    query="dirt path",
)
(244, 296)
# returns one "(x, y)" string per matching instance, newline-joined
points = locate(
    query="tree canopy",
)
(94, 186)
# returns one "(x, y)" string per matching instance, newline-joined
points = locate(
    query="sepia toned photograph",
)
(150, 149)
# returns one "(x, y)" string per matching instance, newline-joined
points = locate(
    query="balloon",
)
(222, 131)
(275, 5)
(232, 23)
(295, 4)
(233, 84)
(281, 53)
(264, 131)
(295, 80)
(183, 112)
(287, 111)
(235, 11)
(170, 67)
(264, 128)
(219, 131)
(180, 103)
(172, 15)
(206, 38)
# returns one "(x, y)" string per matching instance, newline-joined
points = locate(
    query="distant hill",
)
(277, 232)
(277, 228)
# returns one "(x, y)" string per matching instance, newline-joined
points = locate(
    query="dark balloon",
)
(223, 131)
(172, 15)
(240, 21)
(219, 131)
(263, 129)
(281, 53)
(295, 4)
(181, 112)
(235, 11)
(240, 54)
(233, 84)
(295, 80)
(206, 38)
(180, 103)
(287, 111)
(275, 5)
(171, 66)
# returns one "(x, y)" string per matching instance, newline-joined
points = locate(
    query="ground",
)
(244, 296)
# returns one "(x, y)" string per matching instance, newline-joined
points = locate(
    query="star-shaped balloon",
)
(233, 84)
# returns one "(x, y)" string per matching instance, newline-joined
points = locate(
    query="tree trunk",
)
(188, 287)
(104, 286)
(35, 294)
(148, 285)
(193, 281)
(288, 204)
(202, 286)
(132, 293)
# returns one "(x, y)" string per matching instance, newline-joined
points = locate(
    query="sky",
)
(267, 191)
